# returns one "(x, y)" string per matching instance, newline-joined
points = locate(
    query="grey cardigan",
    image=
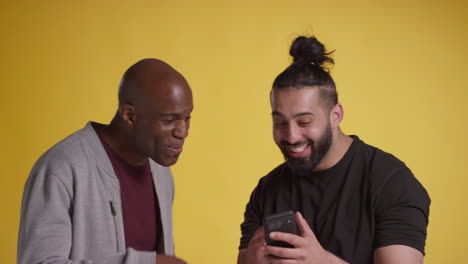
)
(71, 208)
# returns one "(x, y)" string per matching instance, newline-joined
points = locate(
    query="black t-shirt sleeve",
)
(401, 211)
(253, 216)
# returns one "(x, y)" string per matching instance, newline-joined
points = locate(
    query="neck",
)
(338, 148)
(118, 137)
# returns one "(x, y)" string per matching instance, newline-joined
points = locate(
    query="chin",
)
(166, 162)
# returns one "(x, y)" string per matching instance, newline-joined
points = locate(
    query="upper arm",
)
(253, 217)
(402, 212)
(397, 254)
(44, 217)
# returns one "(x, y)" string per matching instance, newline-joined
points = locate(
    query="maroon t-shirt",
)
(140, 206)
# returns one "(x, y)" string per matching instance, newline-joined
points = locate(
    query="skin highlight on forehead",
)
(151, 80)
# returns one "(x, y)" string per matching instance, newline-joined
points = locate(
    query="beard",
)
(304, 166)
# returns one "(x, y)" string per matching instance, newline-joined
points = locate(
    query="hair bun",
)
(310, 51)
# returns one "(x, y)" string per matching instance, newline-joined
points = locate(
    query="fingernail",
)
(272, 235)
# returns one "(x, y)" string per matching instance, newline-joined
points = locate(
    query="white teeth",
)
(299, 149)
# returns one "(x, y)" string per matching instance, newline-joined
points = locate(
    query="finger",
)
(260, 254)
(276, 260)
(306, 231)
(294, 240)
(259, 232)
(259, 236)
(258, 241)
(281, 252)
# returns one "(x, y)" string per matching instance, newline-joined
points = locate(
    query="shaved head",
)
(147, 79)
(153, 117)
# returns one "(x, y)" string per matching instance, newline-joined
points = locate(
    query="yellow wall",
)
(400, 69)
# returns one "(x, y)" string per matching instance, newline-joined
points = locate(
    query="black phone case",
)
(281, 222)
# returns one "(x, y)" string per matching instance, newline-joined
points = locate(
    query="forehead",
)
(173, 97)
(290, 101)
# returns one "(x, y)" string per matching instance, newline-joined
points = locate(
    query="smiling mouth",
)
(298, 149)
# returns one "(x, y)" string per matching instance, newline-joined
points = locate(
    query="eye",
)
(304, 123)
(167, 121)
(187, 118)
(280, 124)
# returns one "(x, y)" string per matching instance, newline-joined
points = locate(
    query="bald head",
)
(150, 80)
(155, 103)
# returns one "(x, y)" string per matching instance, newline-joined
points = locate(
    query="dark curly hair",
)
(311, 67)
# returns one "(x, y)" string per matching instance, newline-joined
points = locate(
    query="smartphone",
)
(282, 222)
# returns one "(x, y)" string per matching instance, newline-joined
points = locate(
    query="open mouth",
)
(175, 148)
(298, 149)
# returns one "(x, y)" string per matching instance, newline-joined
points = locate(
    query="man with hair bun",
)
(353, 203)
(104, 194)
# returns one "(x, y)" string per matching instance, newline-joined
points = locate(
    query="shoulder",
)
(381, 165)
(63, 152)
(64, 158)
(271, 182)
(389, 176)
(377, 158)
(274, 176)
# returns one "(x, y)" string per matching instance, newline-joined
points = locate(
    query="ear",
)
(336, 115)
(127, 113)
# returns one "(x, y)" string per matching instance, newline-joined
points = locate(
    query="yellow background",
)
(400, 70)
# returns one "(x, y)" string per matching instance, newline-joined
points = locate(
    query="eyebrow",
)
(174, 114)
(170, 114)
(295, 115)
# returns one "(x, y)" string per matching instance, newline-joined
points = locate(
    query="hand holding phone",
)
(282, 222)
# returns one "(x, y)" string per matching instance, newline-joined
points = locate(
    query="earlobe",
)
(127, 113)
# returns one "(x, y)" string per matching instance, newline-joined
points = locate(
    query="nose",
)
(181, 129)
(293, 134)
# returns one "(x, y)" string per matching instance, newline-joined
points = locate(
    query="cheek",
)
(312, 131)
(319, 133)
(147, 136)
(277, 135)
(156, 145)
(161, 135)
(142, 135)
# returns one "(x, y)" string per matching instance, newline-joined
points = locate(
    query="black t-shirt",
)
(369, 199)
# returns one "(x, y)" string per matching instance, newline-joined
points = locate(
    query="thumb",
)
(259, 232)
(304, 227)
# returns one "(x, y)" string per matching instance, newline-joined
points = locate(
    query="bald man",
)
(104, 194)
